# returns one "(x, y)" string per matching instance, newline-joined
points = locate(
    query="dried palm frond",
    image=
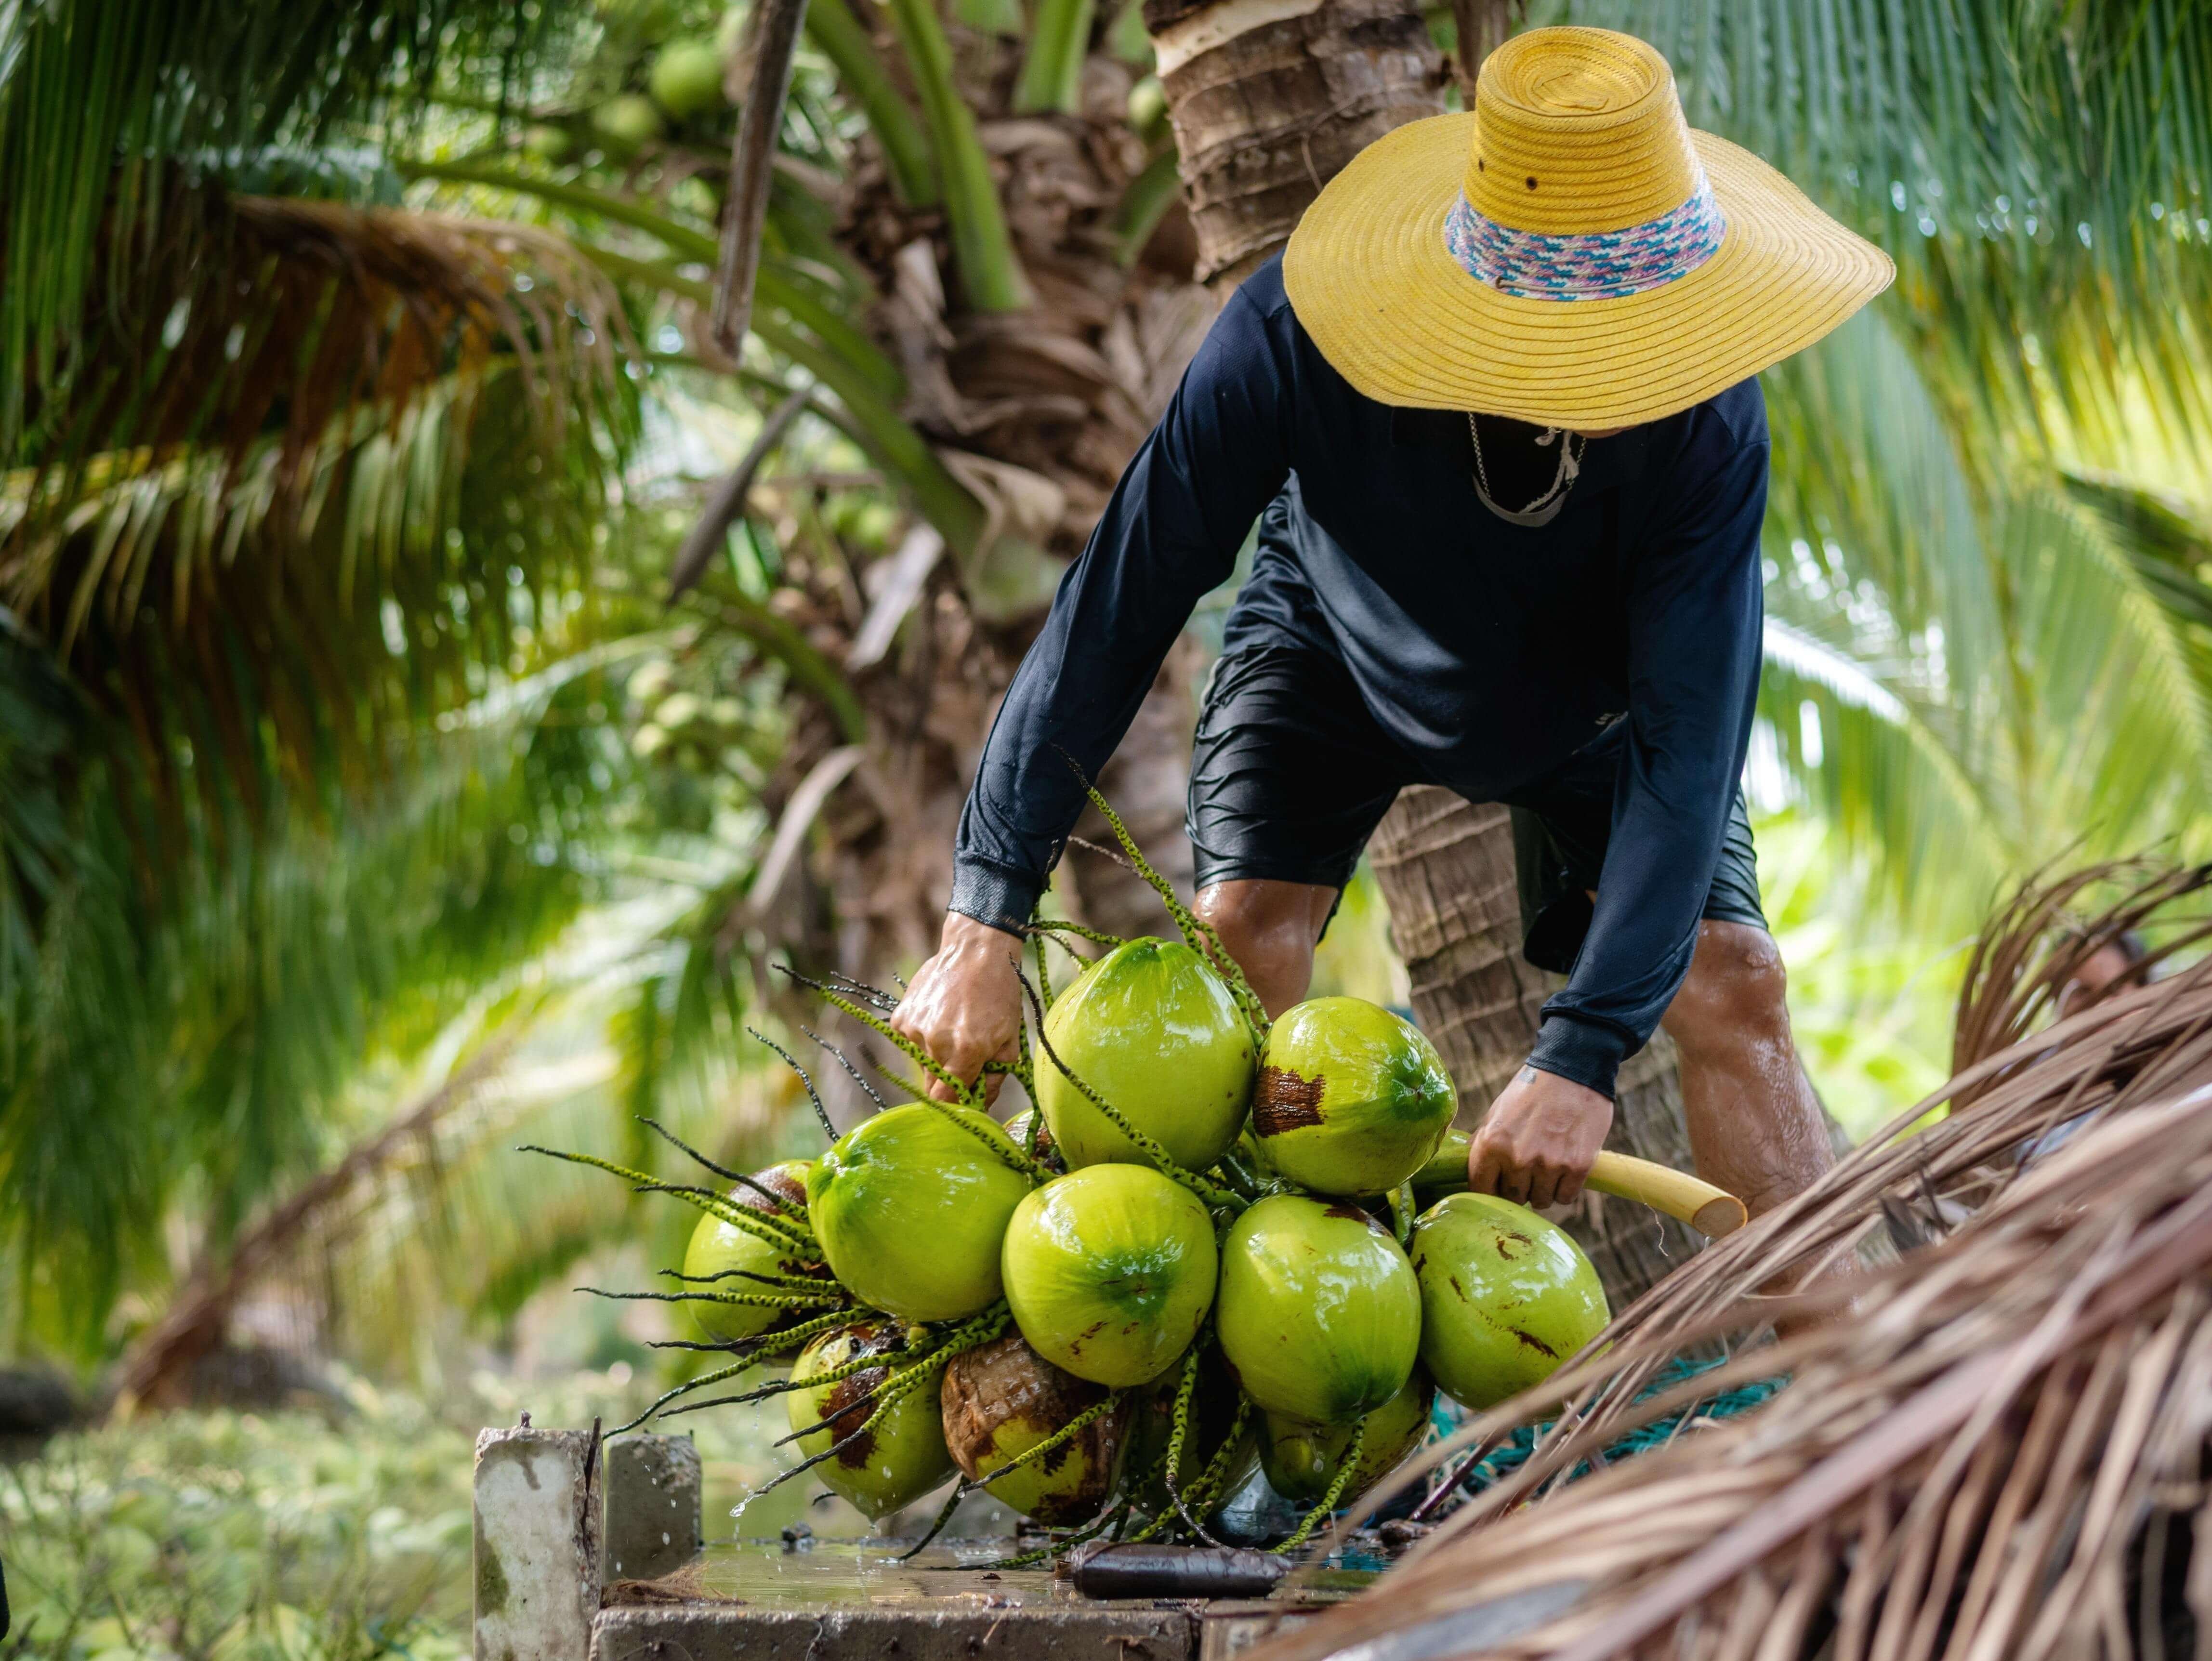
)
(1983, 1447)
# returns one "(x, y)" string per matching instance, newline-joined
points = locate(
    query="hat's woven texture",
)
(1569, 252)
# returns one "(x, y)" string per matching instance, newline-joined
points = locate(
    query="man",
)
(1554, 603)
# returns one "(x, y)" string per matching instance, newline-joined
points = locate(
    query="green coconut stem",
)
(738, 1299)
(1194, 1502)
(1321, 1512)
(970, 1096)
(699, 1158)
(888, 1394)
(1055, 926)
(944, 1516)
(1213, 1193)
(1007, 1151)
(1066, 1433)
(844, 1060)
(1110, 1517)
(821, 1113)
(1025, 1070)
(796, 1215)
(1240, 1174)
(1179, 1417)
(1038, 935)
(1402, 1211)
(758, 1224)
(1198, 934)
(777, 1283)
(691, 1194)
(684, 1388)
(876, 995)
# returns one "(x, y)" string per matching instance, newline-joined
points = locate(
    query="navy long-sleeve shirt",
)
(1490, 652)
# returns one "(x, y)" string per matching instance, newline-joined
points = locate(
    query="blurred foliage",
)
(335, 1528)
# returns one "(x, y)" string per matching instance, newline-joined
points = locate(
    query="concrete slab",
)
(537, 1544)
(652, 1507)
(707, 1632)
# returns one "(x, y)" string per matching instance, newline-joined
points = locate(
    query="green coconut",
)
(1019, 1130)
(721, 1255)
(894, 1461)
(1002, 1400)
(629, 119)
(1109, 1272)
(1301, 1459)
(686, 78)
(910, 1206)
(1351, 1098)
(1319, 1312)
(1152, 1030)
(1505, 1297)
(1446, 1171)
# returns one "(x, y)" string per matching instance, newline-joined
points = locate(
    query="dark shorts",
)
(1289, 774)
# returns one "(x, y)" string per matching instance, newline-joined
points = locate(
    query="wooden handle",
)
(1711, 1211)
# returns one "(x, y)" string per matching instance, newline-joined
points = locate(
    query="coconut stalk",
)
(1985, 1448)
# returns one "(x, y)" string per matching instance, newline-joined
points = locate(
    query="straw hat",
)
(1569, 252)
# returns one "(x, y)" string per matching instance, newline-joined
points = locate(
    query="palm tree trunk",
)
(1446, 869)
(1269, 99)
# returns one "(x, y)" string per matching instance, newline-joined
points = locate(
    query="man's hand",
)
(964, 1007)
(1538, 1141)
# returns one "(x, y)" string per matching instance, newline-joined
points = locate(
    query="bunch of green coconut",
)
(1217, 1244)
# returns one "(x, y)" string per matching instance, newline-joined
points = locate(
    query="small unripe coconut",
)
(549, 144)
(1004, 1399)
(910, 1207)
(721, 1255)
(686, 78)
(1351, 1098)
(629, 119)
(1446, 1171)
(1319, 1312)
(1505, 1297)
(1301, 1459)
(1109, 1272)
(1149, 1028)
(898, 1458)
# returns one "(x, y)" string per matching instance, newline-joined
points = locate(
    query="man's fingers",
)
(1543, 1187)
(1482, 1169)
(1571, 1187)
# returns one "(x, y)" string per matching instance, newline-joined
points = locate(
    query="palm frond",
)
(2040, 174)
(240, 992)
(86, 85)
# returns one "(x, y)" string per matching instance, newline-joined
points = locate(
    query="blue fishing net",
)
(1502, 1461)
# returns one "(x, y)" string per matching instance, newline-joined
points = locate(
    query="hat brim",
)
(1369, 277)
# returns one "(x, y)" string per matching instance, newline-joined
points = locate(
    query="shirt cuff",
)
(993, 894)
(1582, 1052)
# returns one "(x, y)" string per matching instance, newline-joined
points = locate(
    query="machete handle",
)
(1711, 1211)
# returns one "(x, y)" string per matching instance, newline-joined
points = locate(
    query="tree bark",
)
(1270, 98)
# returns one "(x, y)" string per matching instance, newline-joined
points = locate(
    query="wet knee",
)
(1270, 929)
(1736, 990)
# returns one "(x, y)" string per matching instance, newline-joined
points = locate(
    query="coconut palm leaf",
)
(189, 1031)
(2037, 171)
(86, 84)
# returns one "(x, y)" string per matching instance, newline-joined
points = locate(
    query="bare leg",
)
(1755, 1127)
(1271, 928)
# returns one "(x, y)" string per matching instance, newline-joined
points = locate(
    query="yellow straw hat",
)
(1569, 252)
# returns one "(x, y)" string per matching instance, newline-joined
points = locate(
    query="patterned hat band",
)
(1594, 265)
